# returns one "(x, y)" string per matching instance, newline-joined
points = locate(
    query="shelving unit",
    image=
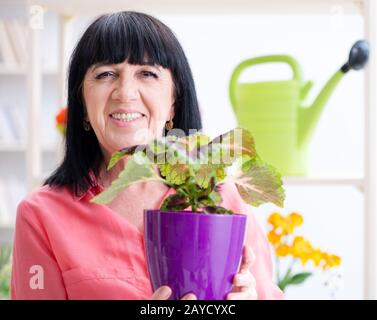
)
(24, 83)
(366, 8)
(16, 71)
(22, 148)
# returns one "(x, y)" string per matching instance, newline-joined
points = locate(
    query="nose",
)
(126, 90)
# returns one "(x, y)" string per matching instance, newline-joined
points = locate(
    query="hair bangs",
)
(118, 39)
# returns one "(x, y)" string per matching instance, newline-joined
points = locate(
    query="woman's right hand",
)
(164, 292)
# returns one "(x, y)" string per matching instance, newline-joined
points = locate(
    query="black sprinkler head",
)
(358, 56)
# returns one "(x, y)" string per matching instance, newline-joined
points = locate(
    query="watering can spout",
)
(308, 116)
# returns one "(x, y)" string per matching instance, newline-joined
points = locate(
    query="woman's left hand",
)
(244, 285)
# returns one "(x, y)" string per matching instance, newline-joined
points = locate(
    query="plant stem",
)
(194, 206)
(284, 282)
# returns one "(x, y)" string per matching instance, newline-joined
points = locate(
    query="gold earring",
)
(169, 125)
(86, 125)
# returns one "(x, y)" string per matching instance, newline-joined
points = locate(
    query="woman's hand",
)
(244, 285)
(164, 292)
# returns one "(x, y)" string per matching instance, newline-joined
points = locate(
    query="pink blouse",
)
(69, 248)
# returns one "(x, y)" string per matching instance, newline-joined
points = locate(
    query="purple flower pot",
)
(193, 252)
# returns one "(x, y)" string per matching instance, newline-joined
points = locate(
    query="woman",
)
(129, 82)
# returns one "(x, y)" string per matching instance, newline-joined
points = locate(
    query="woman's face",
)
(127, 104)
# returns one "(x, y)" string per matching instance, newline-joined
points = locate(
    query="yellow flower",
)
(331, 260)
(283, 250)
(301, 246)
(301, 249)
(285, 225)
(295, 219)
(275, 219)
(317, 256)
(273, 237)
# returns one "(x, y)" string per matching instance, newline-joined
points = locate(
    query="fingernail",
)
(189, 296)
(165, 291)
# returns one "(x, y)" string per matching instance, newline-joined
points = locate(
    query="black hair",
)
(113, 38)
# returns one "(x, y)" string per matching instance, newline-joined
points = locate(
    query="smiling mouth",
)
(126, 117)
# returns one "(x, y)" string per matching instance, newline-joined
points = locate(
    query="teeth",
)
(126, 116)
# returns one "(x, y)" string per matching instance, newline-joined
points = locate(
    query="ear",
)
(86, 118)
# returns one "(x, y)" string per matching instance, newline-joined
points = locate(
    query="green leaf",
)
(284, 282)
(119, 155)
(215, 197)
(293, 279)
(235, 143)
(174, 173)
(217, 209)
(154, 150)
(299, 277)
(261, 183)
(175, 202)
(138, 168)
(202, 175)
(194, 141)
(158, 148)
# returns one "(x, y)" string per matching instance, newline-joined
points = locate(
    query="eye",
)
(149, 74)
(106, 75)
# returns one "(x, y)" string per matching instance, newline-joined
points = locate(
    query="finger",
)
(189, 296)
(250, 294)
(248, 258)
(162, 293)
(244, 280)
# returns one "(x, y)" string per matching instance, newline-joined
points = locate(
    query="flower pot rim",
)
(188, 212)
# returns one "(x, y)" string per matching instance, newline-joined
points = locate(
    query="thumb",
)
(162, 293)
(248, 258)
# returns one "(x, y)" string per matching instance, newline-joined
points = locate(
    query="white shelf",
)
(200, 7)
(21, 71)
(357, 182)
(16, 147)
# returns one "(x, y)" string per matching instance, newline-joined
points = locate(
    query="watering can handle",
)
(297, 74)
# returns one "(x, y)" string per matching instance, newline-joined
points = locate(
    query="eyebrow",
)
(101, 64)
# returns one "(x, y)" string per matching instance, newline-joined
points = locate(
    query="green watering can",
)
(273, 110)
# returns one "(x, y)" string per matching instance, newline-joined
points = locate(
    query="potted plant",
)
(193, 244)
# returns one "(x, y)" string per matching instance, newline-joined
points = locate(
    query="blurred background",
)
(335, 194)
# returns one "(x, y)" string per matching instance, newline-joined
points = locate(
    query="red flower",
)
(61, 120)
